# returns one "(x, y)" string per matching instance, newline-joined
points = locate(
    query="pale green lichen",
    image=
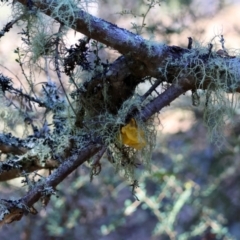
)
(218, 77)
(63, 10)
(125, 158)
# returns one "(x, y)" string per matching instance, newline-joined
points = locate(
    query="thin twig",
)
(152, 88)
(8, 26)
(58, 69)
(164, 99)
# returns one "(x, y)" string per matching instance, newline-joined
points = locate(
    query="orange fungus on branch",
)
(132, 136)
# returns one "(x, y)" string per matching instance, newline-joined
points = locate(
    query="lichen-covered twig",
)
(55, 178)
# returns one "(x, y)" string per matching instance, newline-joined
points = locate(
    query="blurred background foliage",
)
(193, 189)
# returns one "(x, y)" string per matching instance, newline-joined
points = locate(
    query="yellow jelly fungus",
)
(132, 136)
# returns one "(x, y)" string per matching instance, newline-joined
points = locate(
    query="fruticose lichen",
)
(218, 77)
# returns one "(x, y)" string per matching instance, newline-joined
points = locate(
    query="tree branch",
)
(122, 40)
(41, 190)
(159, 60)
(163, 100)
